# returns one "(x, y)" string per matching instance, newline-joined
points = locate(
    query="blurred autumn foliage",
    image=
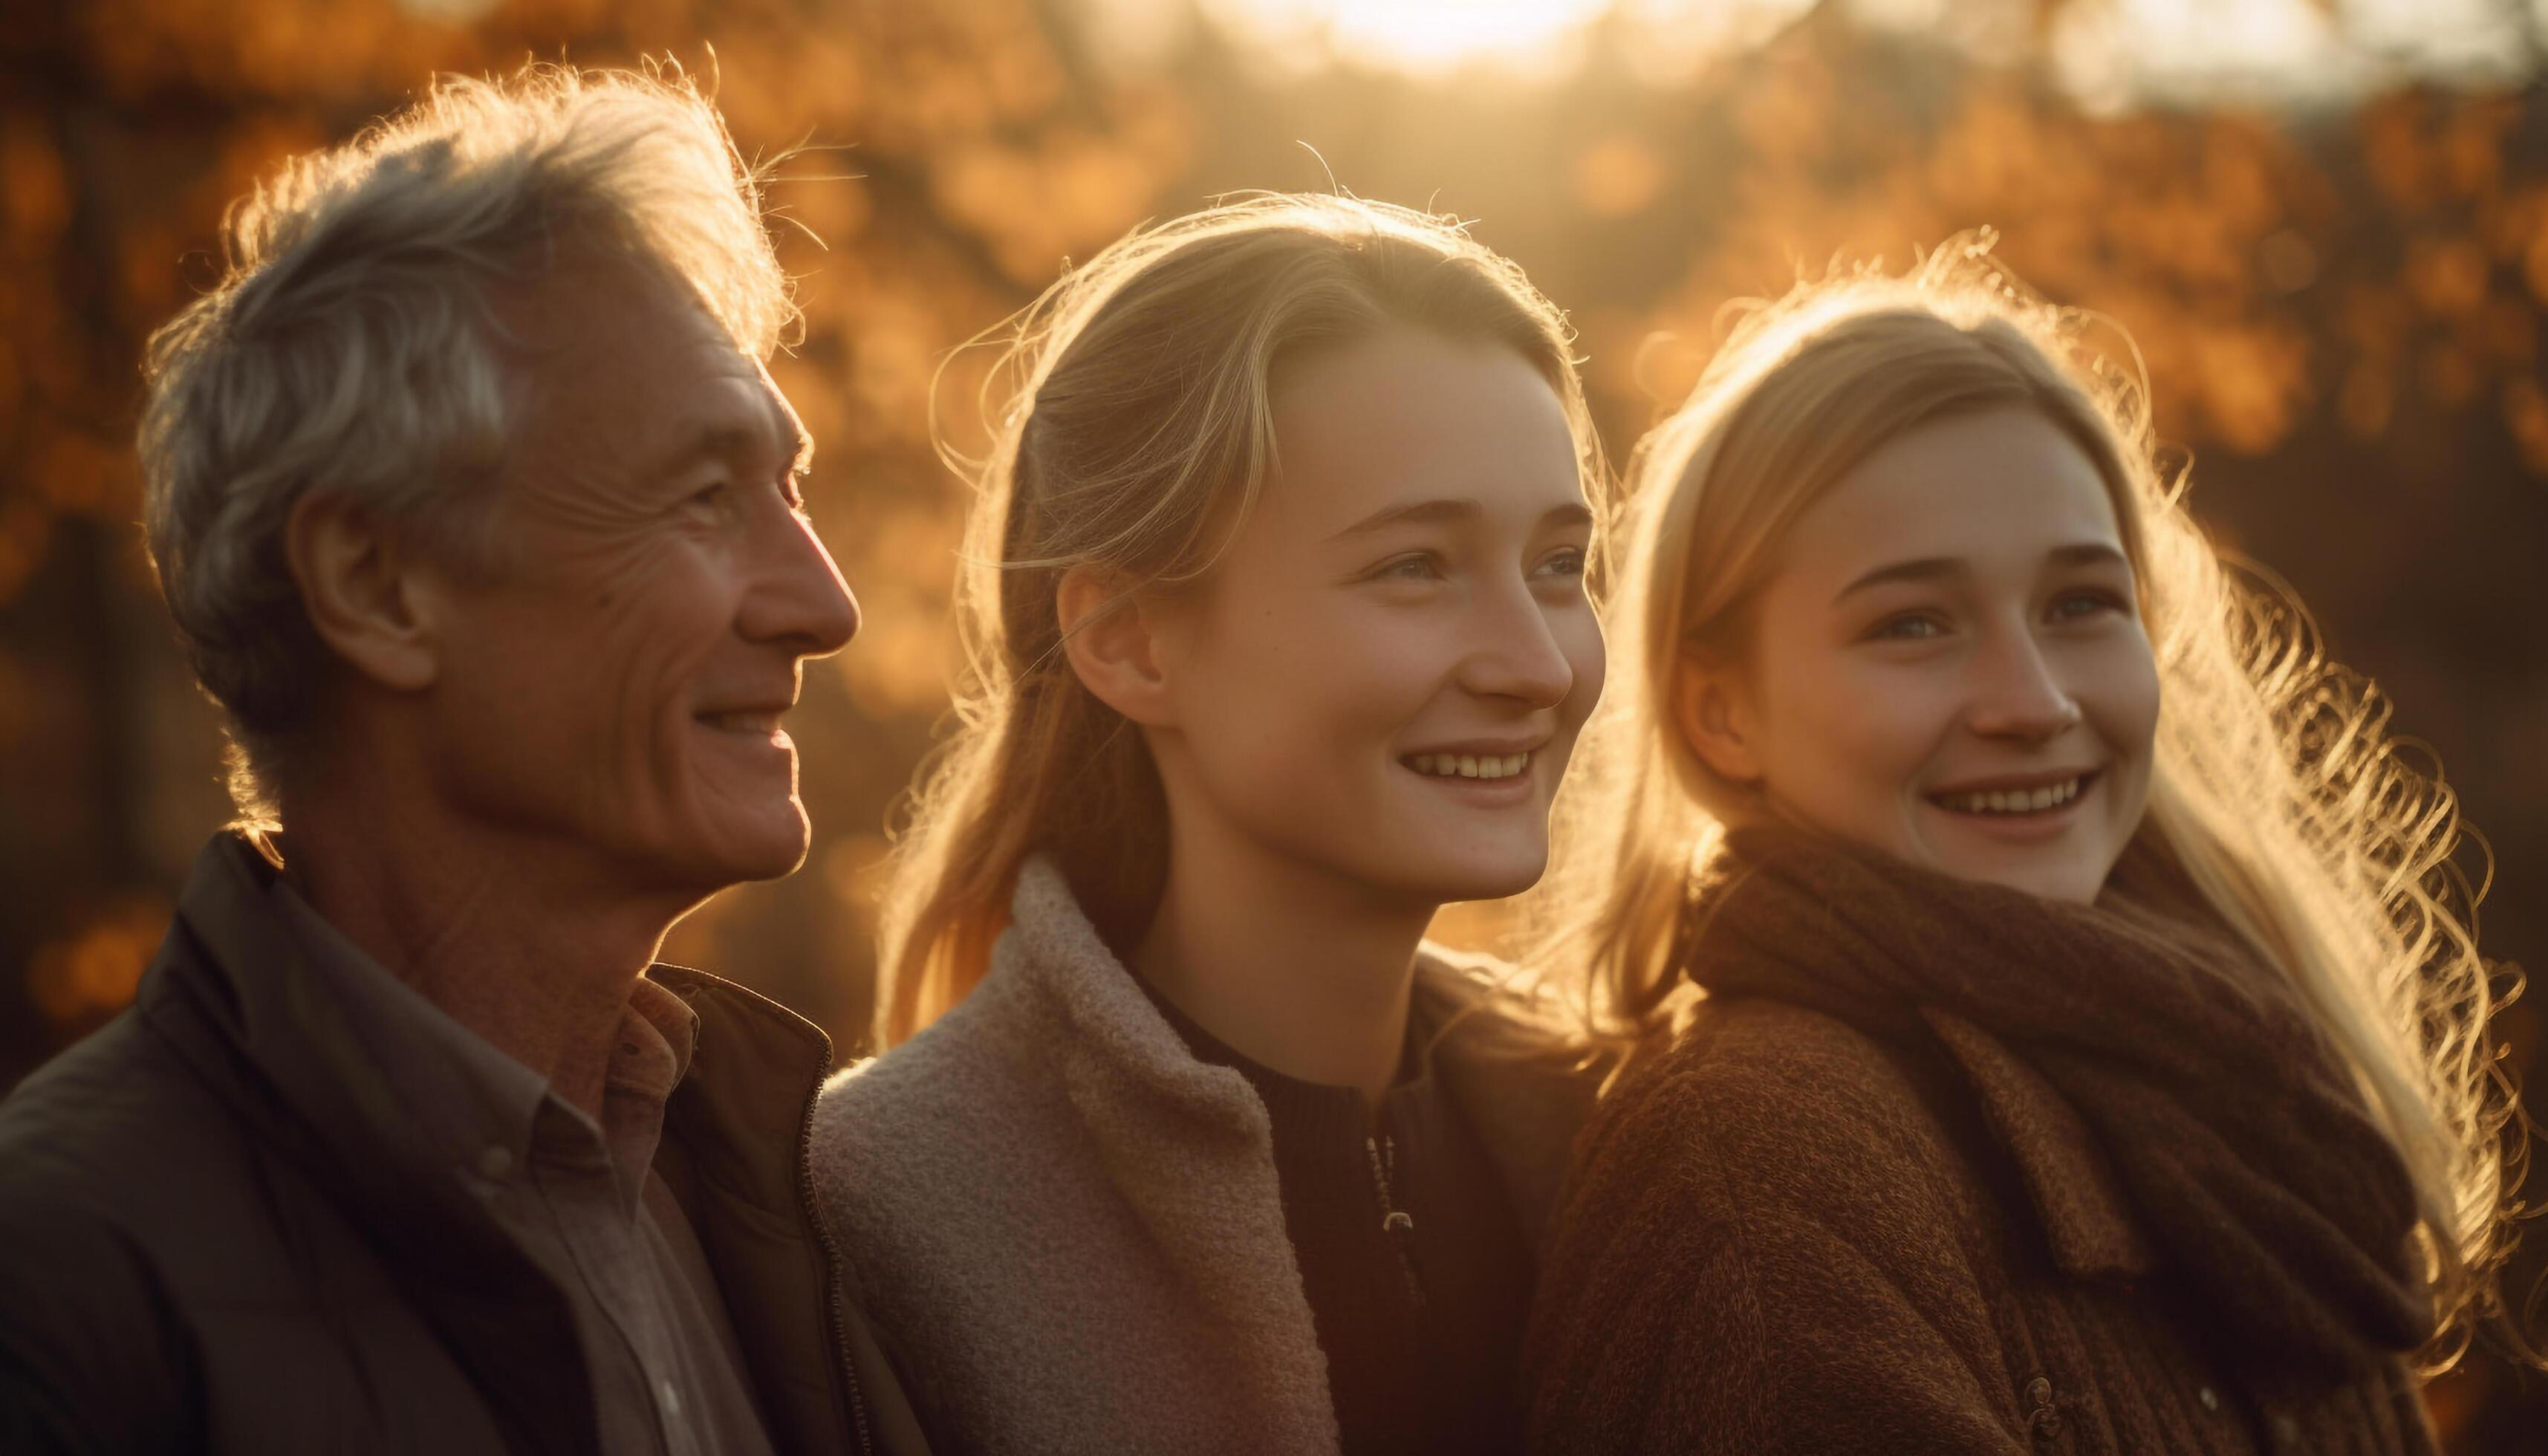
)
(2338, 302)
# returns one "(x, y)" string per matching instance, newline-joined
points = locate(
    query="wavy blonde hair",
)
(2276, 788)
(1132, 431)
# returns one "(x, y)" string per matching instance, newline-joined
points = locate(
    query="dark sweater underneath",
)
(1422, 1316)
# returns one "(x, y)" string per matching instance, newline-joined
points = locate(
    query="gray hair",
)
(353, 344)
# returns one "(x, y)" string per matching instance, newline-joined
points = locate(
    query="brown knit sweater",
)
(1943, 1168)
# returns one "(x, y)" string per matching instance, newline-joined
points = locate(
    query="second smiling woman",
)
(2090, 1055)
(1281, 642)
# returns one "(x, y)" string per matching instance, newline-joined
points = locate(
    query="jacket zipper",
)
(1396, 1224)
(838, 1319)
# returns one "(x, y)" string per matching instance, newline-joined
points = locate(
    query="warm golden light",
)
(1526, 38)
(1424, 35)
(2111, 53)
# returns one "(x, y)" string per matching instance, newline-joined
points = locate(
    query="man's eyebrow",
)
(1936, 568)
(1434, 512)
(736, 444)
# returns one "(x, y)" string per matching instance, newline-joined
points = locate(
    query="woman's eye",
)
(1568, 562)
(711, 497)
(1418, 568)
(2071, 606)
(1909, 626)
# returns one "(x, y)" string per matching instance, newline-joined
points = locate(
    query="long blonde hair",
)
(1132, 434)
(2276, 788)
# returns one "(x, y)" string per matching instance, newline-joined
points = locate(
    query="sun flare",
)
(1420, 36)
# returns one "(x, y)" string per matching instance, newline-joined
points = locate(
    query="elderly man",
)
(479, 517)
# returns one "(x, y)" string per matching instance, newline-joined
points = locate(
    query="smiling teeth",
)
(1469, 765)
(2014, 801)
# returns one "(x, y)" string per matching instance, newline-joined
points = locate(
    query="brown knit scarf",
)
(2235, 1130)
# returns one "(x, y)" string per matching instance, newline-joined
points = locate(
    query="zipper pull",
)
(1396, 1224)
(1392, 1219)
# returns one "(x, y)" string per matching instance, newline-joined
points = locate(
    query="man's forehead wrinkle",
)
(747, 439)
(579, 445)
(632, 388)
(589, 498)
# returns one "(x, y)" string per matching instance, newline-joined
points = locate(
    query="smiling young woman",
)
(1280, 640)
(2063, 1027)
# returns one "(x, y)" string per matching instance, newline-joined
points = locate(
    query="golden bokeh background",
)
(2325, 222)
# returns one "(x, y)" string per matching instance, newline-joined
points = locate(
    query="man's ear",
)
(1110, 636)
(1712, 708)
(363, 592)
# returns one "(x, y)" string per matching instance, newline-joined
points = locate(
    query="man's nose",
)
(799, 599)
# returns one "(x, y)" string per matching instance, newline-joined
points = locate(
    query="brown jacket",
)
(218, 1233)
(1828, 1227)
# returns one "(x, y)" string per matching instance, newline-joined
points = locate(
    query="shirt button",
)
(495, 1165)
(2209, 1400)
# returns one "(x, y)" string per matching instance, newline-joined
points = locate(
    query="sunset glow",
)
(1424, 35)
(2107, 52)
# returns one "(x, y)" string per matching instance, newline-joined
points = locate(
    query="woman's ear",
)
(1712, 710)
(1109, 632)
(362, 590)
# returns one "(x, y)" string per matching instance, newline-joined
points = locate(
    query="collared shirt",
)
(578, 1197)
(1414, 1266)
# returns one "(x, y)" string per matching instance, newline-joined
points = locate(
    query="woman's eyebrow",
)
(1937, 568)
(1420, 513)
(1922, 569)
(2089, 553)
(1431, 512)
